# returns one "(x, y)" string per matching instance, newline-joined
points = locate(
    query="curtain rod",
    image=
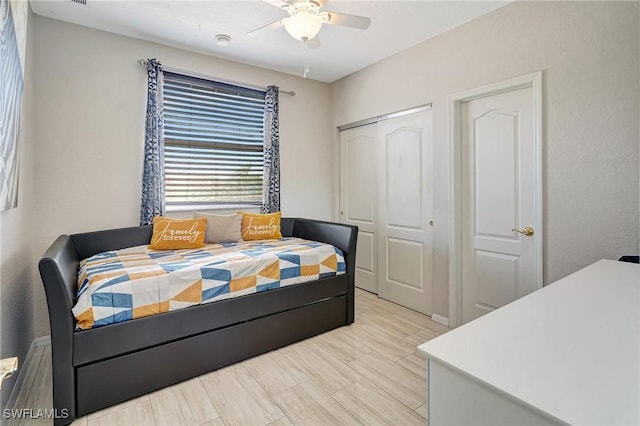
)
(144, 62)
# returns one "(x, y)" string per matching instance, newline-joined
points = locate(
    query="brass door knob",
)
(527, 232)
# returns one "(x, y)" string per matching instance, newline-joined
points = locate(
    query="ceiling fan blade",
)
(360, 22)
(314, 43)
(271, 26)
(278, 3)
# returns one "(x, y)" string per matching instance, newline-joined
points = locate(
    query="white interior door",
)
(499, 194)
(405, 206)
(358, 199)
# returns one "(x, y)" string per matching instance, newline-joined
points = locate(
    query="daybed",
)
(96, 368)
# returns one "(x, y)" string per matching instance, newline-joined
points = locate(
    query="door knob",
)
(527, 232)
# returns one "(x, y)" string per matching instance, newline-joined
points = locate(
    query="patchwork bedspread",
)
(136, 282)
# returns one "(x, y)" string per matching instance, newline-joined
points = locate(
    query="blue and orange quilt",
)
(136, 282)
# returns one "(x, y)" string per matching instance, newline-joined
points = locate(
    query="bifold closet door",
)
(405, 210)
(358, 198)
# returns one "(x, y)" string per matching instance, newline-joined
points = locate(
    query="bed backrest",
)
(286, 226)
(92, 243)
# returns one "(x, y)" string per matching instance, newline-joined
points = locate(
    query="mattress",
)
(136, 282)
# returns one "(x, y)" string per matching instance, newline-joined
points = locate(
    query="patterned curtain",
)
(271, 183)
(153, 172)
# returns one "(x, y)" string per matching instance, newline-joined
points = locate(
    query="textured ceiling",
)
(193, 25)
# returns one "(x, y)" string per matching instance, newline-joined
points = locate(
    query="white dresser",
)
(566, 354)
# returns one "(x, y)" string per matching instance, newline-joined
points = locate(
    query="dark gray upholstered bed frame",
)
(96, 368)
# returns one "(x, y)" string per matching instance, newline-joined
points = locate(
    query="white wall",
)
(17, 268)
(588, 52)
(91, 96)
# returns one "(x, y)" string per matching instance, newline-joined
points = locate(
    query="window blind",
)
(213, 137)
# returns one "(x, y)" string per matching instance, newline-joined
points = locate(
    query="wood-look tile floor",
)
(367, 373)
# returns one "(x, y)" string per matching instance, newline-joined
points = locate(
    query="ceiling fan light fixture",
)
(303, 25)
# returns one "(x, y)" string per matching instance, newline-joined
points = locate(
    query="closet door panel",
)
(358, 198)
(405, 194)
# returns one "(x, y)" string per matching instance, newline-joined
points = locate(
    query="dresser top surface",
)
(570, 349)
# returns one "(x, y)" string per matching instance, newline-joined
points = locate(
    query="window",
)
(213, 135)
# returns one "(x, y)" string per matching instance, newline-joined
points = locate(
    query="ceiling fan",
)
(305, 20)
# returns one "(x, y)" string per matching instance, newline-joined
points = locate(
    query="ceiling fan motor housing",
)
(303, 6)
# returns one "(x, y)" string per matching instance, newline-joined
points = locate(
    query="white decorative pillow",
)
(221, 228)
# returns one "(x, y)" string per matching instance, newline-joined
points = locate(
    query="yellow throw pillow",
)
(171, 234)
(260, 226)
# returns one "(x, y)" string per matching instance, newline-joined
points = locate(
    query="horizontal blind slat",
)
(182, 97)
(210, 114)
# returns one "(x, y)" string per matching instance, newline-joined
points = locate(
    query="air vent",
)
(84, 2)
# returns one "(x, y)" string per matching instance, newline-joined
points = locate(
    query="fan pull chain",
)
(306, 60)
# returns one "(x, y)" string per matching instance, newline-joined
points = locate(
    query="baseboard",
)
(26, 365)
(440, 319)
